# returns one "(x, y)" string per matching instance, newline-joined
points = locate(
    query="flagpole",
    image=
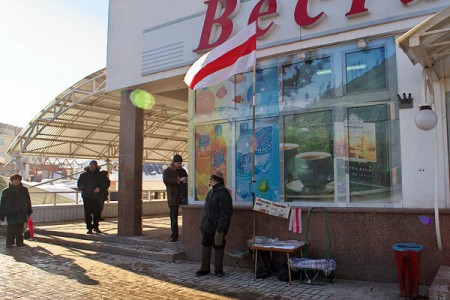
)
(253, 147)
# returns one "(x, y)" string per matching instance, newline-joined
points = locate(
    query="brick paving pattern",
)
(48, 271)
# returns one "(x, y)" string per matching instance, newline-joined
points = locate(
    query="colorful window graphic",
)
(212, 152)
(267, 156)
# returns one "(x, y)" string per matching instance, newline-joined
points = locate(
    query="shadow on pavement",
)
(45, 260)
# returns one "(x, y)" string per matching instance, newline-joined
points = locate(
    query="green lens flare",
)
(142, 99)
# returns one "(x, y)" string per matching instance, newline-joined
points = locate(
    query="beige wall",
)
(139, 25)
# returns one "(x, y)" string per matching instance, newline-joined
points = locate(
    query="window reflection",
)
(366, 70)
(306, 82)
(266, 92)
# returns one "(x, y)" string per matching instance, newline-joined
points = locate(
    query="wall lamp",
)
(426, 118)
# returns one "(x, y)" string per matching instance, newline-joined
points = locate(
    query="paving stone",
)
(51, 271)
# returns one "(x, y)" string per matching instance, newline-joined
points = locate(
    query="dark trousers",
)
(92, 212)
(174, 221)
(219, 251)
(14, 232)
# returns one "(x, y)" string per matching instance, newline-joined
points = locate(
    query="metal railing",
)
(57, 197)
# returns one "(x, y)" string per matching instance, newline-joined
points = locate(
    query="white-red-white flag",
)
(232, 57)
(295, 220)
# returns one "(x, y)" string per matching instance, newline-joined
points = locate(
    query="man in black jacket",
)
(175, 179)
(214, 225)
(93, 185)
(16, 207)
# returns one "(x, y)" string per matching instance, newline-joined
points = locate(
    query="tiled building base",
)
(439, 289)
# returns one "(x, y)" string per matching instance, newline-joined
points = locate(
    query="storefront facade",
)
(329, 130)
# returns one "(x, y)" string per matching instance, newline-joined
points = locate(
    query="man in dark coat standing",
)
(16, 207)
(175, 178)
(93, 185)
(214, 225)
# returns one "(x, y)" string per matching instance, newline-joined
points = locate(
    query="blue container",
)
(407, 247)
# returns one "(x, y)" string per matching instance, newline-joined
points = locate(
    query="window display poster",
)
(362, 143)
(203, 136)
(368, 149)
(266, 92)
(211, 155)
(308, 149)
(215, 101)
(267, 157)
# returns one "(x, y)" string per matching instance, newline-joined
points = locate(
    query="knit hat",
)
(15, 176)
(218, 177)
(93, 162)
(177, 158)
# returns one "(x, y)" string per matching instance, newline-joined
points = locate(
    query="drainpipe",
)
(436, 194)
(426, 119)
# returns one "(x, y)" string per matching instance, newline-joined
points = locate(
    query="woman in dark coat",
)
(214, 225)
(15, 205)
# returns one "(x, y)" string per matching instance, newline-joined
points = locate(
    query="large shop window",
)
(341, 142)
(326, 129)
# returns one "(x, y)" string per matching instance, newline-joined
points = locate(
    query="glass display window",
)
(365, 70)
(308, 156)
(307, 82)
(373, 171)
(326, 129)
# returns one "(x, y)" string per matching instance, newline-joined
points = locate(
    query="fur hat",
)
(177, 158)
(15, 176)
(218, 177)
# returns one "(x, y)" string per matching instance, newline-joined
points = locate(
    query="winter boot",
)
(206, 261)
(218, 262)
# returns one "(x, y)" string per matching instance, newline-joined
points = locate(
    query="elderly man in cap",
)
(15, 205)
(214, 225)
(175, 178)
(93, 186)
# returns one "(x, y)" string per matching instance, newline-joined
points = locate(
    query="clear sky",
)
(45, 47)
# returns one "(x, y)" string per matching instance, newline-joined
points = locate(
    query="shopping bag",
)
(30, 227)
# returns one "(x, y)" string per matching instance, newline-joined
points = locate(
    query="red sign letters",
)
(219, 27)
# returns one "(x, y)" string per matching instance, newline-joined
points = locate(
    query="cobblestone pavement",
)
(46, 271)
